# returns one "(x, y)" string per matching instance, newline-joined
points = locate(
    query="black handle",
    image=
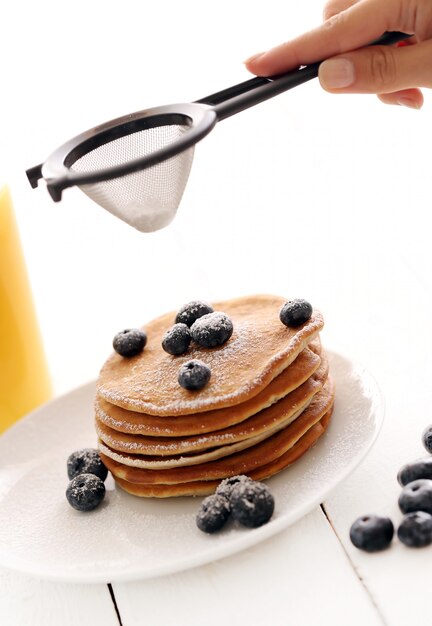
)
(244, 95)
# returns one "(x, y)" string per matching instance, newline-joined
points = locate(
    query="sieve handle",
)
(244, 95)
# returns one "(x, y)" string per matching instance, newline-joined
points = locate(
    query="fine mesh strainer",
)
(137, 166)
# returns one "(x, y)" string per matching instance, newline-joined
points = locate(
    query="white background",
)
(308, 195)
(265, 185)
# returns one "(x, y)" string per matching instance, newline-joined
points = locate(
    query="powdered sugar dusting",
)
(119, 425)
(181, 460)
(258, 350)
(159, 462)
(218, 384)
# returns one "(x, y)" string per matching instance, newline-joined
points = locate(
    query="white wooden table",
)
(308, 195)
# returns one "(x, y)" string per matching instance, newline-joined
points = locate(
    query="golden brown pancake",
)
(261, 424)
(121, 420)
(206, 487)
(260, 348)
(242, 462)
(154, 462)
(268, 400)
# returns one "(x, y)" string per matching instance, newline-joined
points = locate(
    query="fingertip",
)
(256, 65)
(257, 70)
(410, 98)
(252, 59)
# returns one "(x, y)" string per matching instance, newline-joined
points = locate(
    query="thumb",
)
(378, 69)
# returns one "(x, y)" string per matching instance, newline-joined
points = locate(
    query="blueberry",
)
(415, 530)
(192, 311)
(226, 486)
(193, 375)
(372, 533)
(252, 504)
(211, 330)
(422, 468)
(177, 339)
(86, 461)
(295, 312)
(427, 438)
(130, 341)
(213, 513)
(85, 492)
(416, 496)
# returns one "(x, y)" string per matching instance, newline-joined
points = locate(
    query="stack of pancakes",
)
(268, 400)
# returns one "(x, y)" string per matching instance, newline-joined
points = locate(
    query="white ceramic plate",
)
(130, 538)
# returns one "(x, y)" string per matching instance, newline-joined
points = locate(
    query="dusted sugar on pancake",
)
(259, 349)
(266, 398)
(124, 421)
(262, 461)
(261, 424)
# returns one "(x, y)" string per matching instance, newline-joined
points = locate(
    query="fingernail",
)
(254, 57)
(336, 73)
(407, 102)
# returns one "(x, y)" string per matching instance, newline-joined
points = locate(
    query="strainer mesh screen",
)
(154, 191)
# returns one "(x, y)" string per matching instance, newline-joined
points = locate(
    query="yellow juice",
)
(24, 379)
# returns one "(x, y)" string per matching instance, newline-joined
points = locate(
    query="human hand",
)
(394, 73)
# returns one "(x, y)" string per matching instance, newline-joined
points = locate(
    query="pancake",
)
(206, 487)
(123, 421)
(264, 422)
(210, 453)
(260, 348)
(195, 458)
(258, 455)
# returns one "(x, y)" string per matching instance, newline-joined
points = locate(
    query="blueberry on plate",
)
(372, 532)
(85, 492)
(213, 513)
(192, 311)
(421, 468)
(211, 330)
(427, 438)
(129, 342)
(193, 375)
(226, 486)
(177, 339)
(295, 312)
(415, 529)
(252, 504)
(86, 461)
(416, 496)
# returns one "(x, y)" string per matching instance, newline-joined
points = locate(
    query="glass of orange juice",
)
(24, 378)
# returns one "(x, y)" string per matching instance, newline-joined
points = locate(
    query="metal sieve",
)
(137, 166)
